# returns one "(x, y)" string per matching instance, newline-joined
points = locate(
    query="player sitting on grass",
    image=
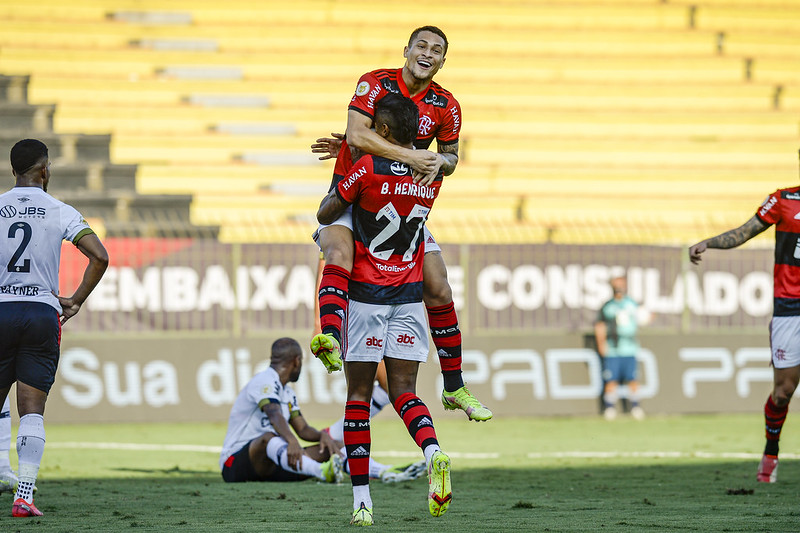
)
(386, 316)
(260, 444)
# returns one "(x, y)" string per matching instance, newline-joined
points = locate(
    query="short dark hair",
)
(285, 350)
(26, 154)
(432, 29)
(401, 114)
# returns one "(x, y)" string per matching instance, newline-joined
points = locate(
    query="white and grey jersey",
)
(247, 421)
(33, 225)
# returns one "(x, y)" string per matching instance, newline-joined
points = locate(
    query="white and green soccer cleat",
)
(326, 348)
(361, 516)
(398, 473)
(8, 481)
(332, 469)
(440, 493)
(464, 400)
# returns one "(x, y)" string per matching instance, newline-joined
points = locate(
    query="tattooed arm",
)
(447, 159)
(729, 239)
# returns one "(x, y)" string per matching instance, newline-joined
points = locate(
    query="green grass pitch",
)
(665, 474)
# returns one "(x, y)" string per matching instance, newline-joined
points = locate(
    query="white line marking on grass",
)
(133, 446)
(654, 455)
(397, 454)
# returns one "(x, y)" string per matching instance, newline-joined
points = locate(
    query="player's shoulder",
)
(389, 167)
(789, 193)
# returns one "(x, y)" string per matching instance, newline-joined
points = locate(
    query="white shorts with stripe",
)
(376, 331)
(784, 339)
(346, 220)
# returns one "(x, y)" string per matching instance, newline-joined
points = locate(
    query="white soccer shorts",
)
(377, 331)
(784, 339)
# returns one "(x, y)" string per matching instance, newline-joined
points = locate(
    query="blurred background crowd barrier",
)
(597, 135)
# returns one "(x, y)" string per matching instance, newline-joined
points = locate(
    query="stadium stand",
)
(584, 121)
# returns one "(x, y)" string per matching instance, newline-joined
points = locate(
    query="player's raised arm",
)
(328, 146)
(729, 239)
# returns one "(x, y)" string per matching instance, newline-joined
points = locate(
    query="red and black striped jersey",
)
(389, 213)
(782, 208)
(439, 112)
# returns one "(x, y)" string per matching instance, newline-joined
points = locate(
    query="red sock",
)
(333, 299)
(357, 441)
(417, 419)
(447, 339)
(774, 417)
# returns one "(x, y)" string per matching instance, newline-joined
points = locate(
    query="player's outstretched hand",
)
(68, 308)
(696, 250)
(328, 146)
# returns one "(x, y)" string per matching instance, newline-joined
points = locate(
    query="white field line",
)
(132, 446)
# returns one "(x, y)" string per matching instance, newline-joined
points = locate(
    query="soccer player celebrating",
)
(780, 208)
(30, 330)
(386, 319)
(440, 119)
(260, 444)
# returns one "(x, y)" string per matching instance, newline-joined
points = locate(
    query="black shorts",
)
(238, 468)
(30, 338)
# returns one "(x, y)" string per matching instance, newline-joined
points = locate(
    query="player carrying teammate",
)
(386, 319)
(35, 225)
(780, 208)
(440, 119)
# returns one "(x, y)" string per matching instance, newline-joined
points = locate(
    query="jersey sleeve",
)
(294, 407)
(451, 124)
(769, 212)
(349, 189)
(74, 225)
(264, 391)
(368, 91)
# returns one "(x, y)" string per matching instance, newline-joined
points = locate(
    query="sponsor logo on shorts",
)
(374, 343)
(405, 339)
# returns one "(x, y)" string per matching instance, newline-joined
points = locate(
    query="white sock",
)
(361, 495)
(276, 451)
(5, 436)
(429, 451)
(30, 448)
(376, 468)
(380, 399)
(336, 430)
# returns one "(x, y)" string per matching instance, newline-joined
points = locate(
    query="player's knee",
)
(782, 394)
(339, 255)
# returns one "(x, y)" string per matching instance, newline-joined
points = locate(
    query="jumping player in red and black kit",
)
(781, 208)
(386, 318)
(440, 119)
